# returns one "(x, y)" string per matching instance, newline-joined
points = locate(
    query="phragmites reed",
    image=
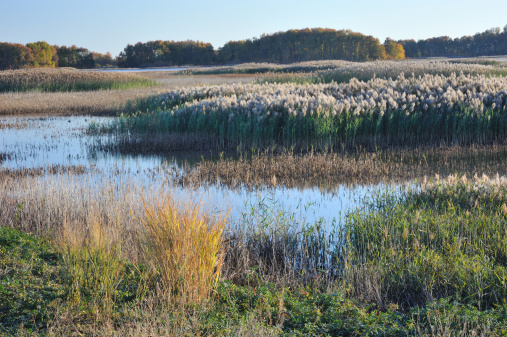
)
(66, 79)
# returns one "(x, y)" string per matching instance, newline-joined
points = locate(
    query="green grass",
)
(33, 294)
(447, 241)
(424, 263)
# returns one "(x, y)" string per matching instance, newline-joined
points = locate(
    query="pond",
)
(35, 142)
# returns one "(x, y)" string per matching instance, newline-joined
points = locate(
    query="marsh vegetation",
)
(121, 226)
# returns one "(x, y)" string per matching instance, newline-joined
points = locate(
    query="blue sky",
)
(109, 25)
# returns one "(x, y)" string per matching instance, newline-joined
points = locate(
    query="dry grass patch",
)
(103, 102)
(329, 170)
(170, 80)
(97, 103)
(67, 79)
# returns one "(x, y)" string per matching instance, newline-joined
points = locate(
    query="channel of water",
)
(34, 142)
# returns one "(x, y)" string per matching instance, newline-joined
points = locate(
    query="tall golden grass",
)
(185, 246)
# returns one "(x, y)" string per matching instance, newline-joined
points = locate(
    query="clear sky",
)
(109, 25)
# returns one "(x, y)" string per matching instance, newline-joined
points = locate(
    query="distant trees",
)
(75, 57)
(282, 47)
(304, 45)
(37, 54)
(394, 51)
(43, 55)
(490, 42)
(14, 56)
(103, 60)
(166, 53)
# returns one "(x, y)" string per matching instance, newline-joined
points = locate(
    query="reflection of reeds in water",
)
(14, 125)
(329, 170)
(40, 171)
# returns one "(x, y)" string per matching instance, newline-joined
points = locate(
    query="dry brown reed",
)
(62, 79)
(13, 125)
(98, 103)
(170, 80)
(329, 170)
(103, 102)
(66, 205)
(68, 208)
(13, 173)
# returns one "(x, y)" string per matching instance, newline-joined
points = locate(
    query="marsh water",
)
(31, 142)
(124, 70)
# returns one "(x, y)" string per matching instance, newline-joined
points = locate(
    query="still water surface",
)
(35, 142)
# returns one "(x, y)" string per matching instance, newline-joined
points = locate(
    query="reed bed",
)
(392, 69)
(23, 172)
(103, 102)
(70, 207)
(170, 81)
(67, 79)
(343, 71)
(97, 103)
(327, 171)
(259, 68)
(456, 109)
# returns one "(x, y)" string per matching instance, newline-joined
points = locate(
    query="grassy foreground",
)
(427, 263)
(37, 287)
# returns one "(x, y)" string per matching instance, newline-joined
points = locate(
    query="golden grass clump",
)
(185, 247)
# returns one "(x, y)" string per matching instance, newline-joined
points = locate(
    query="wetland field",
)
(325, 198)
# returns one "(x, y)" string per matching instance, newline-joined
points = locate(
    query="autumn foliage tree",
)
(103, 60)
(304, 45)
(14, 56)
(43, 55)
(394, 51)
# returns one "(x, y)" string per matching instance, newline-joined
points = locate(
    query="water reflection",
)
(35, 142)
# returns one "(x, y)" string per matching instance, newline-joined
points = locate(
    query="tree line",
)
(41, 54)
(282, 47)
(490, 42)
